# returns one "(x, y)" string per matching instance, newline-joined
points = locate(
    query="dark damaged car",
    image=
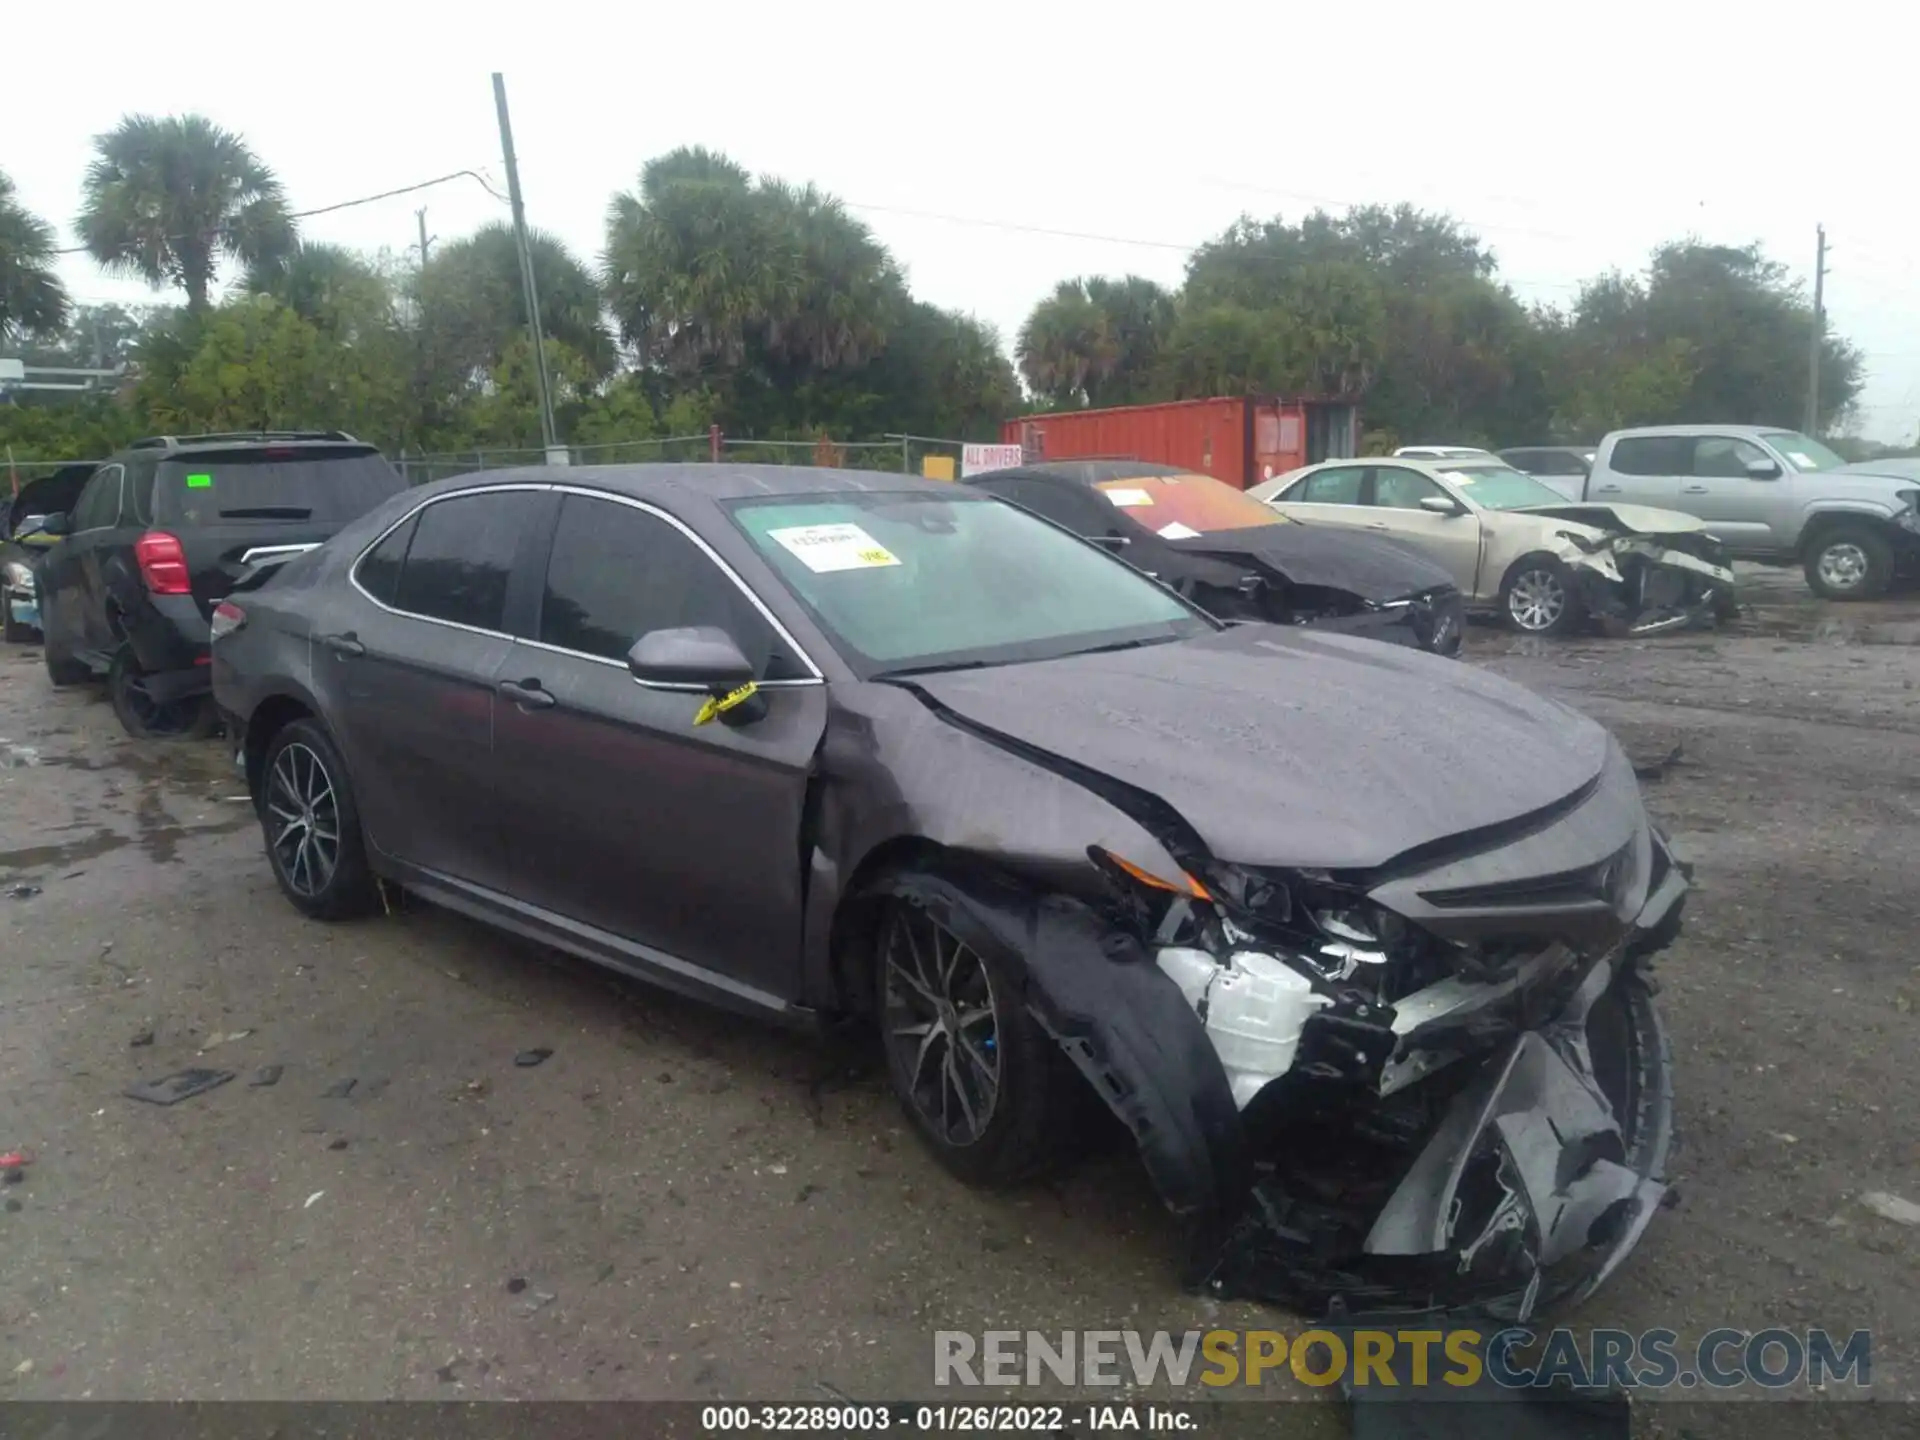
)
(1352, 939)
(1237, 558)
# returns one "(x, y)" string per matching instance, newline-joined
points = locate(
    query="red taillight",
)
(227, 618)
(163, 564)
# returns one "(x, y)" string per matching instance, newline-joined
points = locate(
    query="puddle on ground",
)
(1820, 627)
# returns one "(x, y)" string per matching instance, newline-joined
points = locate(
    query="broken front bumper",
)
(1639, 586)
(1541, 1171)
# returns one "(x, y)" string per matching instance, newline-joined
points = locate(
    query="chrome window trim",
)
(353, 578)
(262, 550)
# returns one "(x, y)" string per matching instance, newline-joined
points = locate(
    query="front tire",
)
(1850, 562)
(1537, 597)
(312, 826)
(986, 1088)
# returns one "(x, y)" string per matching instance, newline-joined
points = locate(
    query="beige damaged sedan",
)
(1515, 547)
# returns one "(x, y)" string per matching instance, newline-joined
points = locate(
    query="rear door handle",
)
(1693, 490)
(1614, 489)
(345, 646)
(1381, 528)
(527, 694)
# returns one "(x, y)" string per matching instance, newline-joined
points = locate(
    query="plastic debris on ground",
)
(1887, 1207)
(339, 1090)
(527, 1058)
(172, 1089)
(267, 1075)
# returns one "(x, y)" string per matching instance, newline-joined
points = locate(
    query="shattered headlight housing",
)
(18, 575)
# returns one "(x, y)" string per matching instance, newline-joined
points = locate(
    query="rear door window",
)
(460, 560)
(1338, 486)
(311, 484)
(1653, 455)
(98, 507)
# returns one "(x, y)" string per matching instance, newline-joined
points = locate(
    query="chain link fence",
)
(898, 454)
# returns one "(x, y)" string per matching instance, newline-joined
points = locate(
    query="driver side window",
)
(1722, 456)
(1397, 488)
(616, 572)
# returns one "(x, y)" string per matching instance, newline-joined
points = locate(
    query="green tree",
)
(474, 305)
(95, 337)
(328, 286)
(254, 363)
(1097, 342)
(167, 198)
(32, 299)
(768, 295)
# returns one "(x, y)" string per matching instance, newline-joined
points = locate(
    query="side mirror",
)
(697, 657)
(57, 524)
(1441, 505)
(1762, 470)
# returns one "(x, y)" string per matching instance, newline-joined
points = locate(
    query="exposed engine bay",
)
(1642, 582)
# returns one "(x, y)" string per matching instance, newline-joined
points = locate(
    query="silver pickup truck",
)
(1769, 495)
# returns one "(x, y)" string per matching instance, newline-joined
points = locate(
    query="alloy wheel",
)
(1537, 600)
(303, 820)
(939, 1023)
(1843, 566)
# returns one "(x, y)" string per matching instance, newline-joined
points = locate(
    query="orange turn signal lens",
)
(1186, 885)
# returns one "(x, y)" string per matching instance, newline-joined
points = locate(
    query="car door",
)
(405, 657)
(679, 840)
(1645, 470)
(71, 574)
(1333, 496)
(1451, 540)
(1736, 503)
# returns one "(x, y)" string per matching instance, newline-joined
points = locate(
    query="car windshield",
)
(1803, 452)
(1181, 507)
(1501, 487)
(310, 483)
(908, 582)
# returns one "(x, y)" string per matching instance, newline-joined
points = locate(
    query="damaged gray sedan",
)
(1352, 939)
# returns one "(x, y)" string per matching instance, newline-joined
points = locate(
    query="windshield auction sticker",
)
(827, 548)
(1126, 499)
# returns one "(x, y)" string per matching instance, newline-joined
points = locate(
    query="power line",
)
(473, 175)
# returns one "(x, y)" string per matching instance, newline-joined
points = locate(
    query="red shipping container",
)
(1241, 440)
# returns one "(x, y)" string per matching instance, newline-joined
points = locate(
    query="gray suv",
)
(1771, 495)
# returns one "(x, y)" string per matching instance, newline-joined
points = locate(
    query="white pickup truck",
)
(1769, 495)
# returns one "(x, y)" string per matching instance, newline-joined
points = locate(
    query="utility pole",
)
(1819, 330)
(421, 216)
(547, 435)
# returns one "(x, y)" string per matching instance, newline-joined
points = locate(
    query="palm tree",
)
(168, 198)
(32, 299)
(1068, 346)
(474, 303)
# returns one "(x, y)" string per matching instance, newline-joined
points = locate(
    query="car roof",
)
(702, 480)
(1654, 432)
(1085, 472)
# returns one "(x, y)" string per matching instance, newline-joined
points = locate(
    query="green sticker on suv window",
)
(199, 482)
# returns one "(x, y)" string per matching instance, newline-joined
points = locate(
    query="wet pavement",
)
(682, 1204)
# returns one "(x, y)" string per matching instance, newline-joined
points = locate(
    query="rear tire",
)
(311, 826)
(996, 1105)
(1850, 562)
(193, 718)
(1538, 598)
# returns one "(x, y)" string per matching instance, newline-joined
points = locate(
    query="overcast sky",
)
(1574, 138)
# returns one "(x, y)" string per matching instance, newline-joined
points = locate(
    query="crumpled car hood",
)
(1368, 566)
(1620, 519)
(1283, 746)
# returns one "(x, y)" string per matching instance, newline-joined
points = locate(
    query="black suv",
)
(162, 531)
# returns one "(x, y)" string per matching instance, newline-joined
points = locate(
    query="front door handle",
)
(1608, 489)
(1693, 490)
(527, 694)
(345, 646)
